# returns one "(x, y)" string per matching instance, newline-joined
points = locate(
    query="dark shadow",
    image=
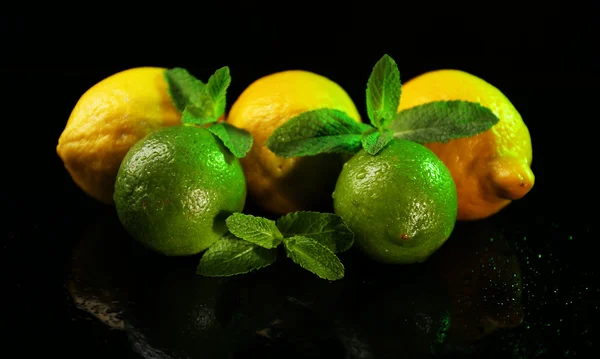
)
(311, 183)
(219, 225)
(227, 155)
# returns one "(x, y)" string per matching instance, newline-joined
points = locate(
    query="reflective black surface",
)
(543, 247)
(497, 288)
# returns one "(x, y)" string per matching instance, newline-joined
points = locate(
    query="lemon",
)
(401, 204)
(107, 120)
(283, 185)
(176, 187)
(490, 169)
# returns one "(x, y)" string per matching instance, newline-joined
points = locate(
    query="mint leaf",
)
(237, 140)
(318, 131)
(230, 256)
(196, 115)
(326, 228)
(184, 88)
(442, 121)
(314, 257)
(216, 87)
(375, 140)
(258, 230)
(383, 92)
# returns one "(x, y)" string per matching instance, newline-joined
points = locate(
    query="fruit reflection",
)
(391, 310)
(176, 314)
(483, 279)
(100, 270)
(286, 312)
(168, 311)
(470, 288)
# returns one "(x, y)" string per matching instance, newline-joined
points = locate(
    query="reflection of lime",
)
(176, 315)
(401, 203)
(401, 318)
(175, 188)
(283, 314)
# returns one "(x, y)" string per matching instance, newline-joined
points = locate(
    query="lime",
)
(176, 187)
(401, 203)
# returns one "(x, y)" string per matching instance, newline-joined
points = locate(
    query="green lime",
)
(176, 187)
(401, 203)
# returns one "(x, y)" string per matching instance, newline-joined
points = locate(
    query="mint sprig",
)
(310, 239)
(183, 88)
(442, 121)
(230, 256)
(216, 87)
(383, 92)
(237, 140)
(326, 228)
(328, 131)
(318, 131)
(315, 257)
(373, 140)
(203, 104)
(260, 231)
(195, 115)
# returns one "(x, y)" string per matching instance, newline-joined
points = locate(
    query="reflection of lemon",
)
(285, 185)
(107, 120)
(489, 169)
(401, 204)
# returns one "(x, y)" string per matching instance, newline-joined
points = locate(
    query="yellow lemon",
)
(490, 169)
(286, 185)
(107, 120)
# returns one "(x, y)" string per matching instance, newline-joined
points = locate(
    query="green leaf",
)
(383, 92)
(326, 228)
(318, 131)
(184, 88)
(237, 140)
(216, 87)
(375, 140)
(442, 121)
(230, 256)
(258, 230)
(314, 257)
(196, 115)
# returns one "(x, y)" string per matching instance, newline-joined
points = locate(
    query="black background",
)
(543, 57)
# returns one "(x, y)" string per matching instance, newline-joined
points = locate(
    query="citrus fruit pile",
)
(158, 145)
